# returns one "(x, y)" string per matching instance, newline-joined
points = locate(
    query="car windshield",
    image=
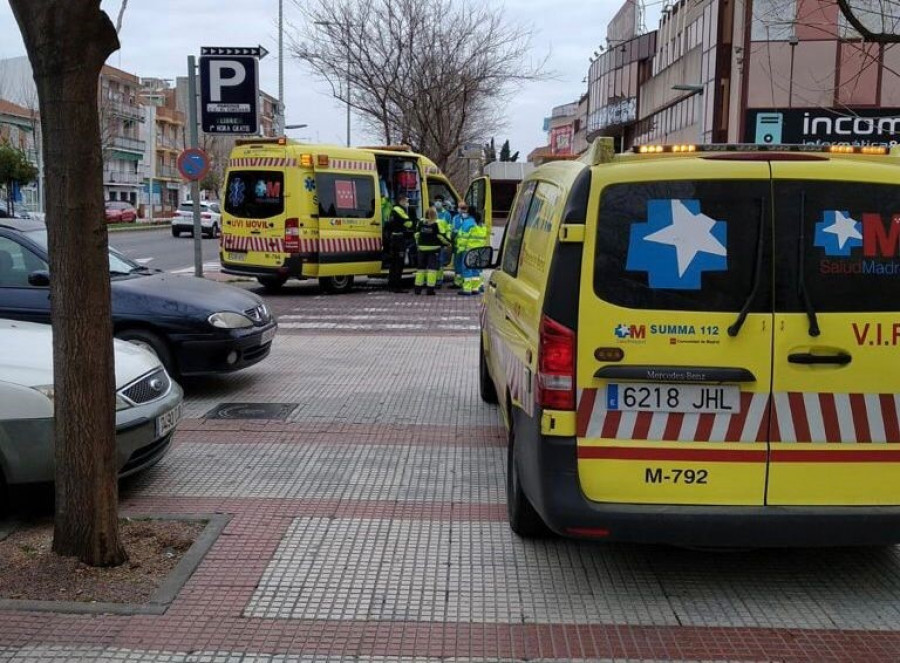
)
(118, 264)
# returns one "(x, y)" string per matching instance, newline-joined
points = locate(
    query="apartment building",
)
(121, 118)
(20, 128)
(164, 135)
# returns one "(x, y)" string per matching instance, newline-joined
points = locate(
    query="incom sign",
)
(229, 91)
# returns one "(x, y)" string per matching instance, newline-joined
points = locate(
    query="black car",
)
(194, 326)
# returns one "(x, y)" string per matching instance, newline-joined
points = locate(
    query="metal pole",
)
(195, 185)
(151, 110)
(281, 62)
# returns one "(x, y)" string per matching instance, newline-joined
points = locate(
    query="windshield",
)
(118, 264)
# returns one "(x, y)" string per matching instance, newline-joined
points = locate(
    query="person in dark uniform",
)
(397, 229)
(430, 239)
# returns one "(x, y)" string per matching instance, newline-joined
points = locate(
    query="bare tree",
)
(67, 43)
(433, 74)
(876, 21)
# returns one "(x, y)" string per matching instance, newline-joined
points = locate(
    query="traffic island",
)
(163, 550)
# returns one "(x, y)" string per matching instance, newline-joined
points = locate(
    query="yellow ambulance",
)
(700, 345)
(293, 210)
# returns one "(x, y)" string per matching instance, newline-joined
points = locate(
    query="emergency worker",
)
(476, 237)
(429, 240)
(396, 230)
(461, 218)
(444, 221)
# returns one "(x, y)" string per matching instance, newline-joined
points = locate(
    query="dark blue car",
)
(194, 326)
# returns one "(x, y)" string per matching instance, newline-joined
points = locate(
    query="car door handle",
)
(809, 359)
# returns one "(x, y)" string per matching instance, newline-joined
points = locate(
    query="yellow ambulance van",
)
(700, 345)
(293, 210)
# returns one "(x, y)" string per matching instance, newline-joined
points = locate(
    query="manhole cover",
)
(277, 411)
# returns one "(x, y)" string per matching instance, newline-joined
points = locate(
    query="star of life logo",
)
(677, 245)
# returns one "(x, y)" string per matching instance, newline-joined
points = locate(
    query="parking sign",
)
(229, 90)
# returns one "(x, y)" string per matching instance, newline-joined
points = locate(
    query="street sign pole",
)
(195, 184)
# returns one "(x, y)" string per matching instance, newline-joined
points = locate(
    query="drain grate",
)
(271, 411)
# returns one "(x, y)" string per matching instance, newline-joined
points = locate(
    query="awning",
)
(127, 156)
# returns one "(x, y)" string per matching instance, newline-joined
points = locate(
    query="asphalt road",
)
(158, 249)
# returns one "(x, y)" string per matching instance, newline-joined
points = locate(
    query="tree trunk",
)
(67, 42)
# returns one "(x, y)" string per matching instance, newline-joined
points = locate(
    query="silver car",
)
(148, 405)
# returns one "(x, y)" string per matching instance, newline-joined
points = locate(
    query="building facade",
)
(809, 78)
(121, 118)
(164, 136)
(20, 128)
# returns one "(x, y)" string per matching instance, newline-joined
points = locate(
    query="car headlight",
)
(47, 390)
(229, 320)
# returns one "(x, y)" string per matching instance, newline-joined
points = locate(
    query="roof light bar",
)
(753, 147)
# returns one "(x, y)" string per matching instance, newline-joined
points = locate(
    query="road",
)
(159, 250)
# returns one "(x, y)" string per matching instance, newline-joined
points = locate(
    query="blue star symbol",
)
(310, 184)
(838, 233)
(677, 245)
(623, 331)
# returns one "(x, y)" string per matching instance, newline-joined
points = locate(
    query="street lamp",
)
(295, 126)
(695, 89)
(346, 26)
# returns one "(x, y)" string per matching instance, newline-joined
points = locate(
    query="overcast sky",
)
(158, 35)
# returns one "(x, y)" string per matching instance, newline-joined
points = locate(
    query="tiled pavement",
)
(370, 526)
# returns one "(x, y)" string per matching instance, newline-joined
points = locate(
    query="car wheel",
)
(523, 519)
(485, 384)
(151, 342)
(272, 284)
(336, 284)
(176, 232)
(215, 231)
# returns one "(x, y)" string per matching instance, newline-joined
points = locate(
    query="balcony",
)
(126, 110)
(170, 115)
(168, 144)
(127, 144)
(167, 173)
(122, 178)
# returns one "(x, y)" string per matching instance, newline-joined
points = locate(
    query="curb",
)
(160, 600)
(139, 226)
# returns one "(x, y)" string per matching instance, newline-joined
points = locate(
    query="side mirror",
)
(480, 258)
(39, 278)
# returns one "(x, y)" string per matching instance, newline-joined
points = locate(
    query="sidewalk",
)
(370, 525)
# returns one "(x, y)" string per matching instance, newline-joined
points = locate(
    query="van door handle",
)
(809, 359)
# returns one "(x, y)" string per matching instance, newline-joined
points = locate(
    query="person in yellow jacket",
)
(472, 235)
(429, 240)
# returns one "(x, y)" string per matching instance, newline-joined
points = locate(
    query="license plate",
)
(699, 398)
(234, 256)
(166, 422)
(268, 335)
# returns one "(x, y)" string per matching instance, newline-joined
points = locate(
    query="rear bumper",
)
(292, 268)
(548, 469)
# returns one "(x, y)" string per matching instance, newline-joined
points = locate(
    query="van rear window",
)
(254, 194)
(346, 196)
(684, 245)
(844, 237)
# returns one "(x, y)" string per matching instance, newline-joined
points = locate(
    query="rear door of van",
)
(675, 333)
(835, 433)
(255, 204)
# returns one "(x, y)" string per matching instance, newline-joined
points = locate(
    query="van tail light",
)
(556, 366)
(292, 235)
(206, 215)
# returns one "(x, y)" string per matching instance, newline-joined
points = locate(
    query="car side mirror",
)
(39, 278)
(480, 258)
